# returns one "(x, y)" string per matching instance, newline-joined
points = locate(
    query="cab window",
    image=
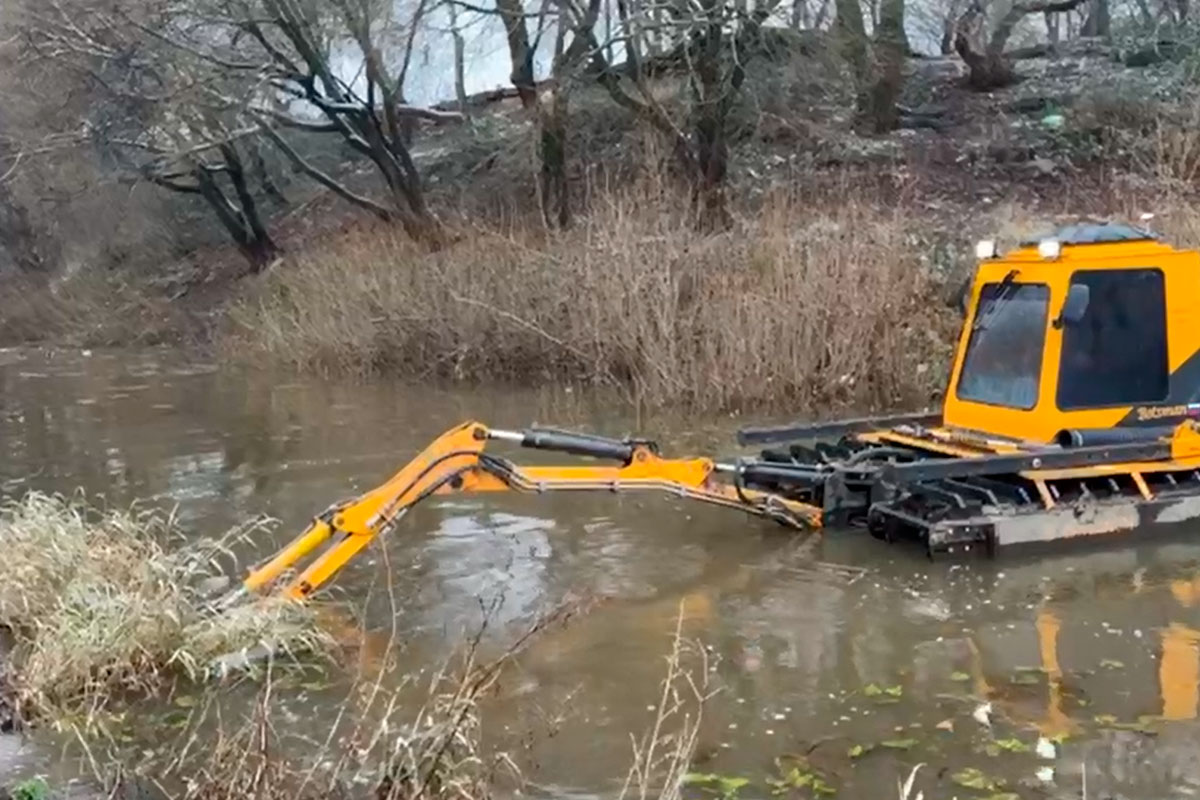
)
(1116, 355)
(1003, 362)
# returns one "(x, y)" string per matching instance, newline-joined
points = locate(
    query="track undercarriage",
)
(958, 491)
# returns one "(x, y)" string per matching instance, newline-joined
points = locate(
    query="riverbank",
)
(811, 301)
(832, 289)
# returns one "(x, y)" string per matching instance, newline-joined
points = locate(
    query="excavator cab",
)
(1072, 410)
(1077, 336)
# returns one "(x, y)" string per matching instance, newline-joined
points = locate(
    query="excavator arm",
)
(456, 462)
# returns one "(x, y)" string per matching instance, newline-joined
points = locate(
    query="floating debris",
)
(1045, 748)
(972, 778)
(859, 750)
(1013, 745)
(899, 744)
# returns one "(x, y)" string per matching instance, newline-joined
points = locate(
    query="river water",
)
(819, 648)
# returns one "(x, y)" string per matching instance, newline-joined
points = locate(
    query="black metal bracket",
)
(829, 430)
(1050, 458)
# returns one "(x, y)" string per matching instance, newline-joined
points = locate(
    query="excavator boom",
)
(457, 462)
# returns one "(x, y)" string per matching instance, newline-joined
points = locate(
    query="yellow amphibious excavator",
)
(1072, 409)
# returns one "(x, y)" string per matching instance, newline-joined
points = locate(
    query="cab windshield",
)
(1003, 363)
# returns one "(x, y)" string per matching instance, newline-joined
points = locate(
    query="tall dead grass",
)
(378, 745)
(800, 304)
(99, 603)
(92, 308)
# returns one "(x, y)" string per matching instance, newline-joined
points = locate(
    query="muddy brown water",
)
(1098, 646)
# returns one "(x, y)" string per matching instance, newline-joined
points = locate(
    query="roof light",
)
(985, 248)
(1049, 248)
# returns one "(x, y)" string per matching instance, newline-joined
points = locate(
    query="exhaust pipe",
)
(1098, 437)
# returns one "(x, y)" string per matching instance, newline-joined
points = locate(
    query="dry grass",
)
(101, 603)
(375, 747)
(379, 745)
(663, 755)
(1175, 155)
(89, 309)
(800, 305)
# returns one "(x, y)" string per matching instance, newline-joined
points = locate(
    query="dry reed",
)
(102, 602)
(379, 745)
(802, 306)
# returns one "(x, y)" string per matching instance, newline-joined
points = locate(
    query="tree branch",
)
(172, 185)
(325, 180)
(1009, 21)
(197, 52)
(298, 124)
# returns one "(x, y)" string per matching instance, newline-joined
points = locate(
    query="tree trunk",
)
(460, 81)
(852, 41)
(883, 113)
(512, 14)
(1052, 34)
(251, 238)
(987, 66)
(552, 155)
(1098, 22)
(263, 174)
(822, 12)
(262, 248)
(28, 249)
(712, 102)
(552, 138)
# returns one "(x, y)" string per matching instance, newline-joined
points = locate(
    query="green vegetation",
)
(32, 789)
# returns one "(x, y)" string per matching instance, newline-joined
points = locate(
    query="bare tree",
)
(370, 114)
(989, 67)
(574, 29)
(512, 14)
(159, 112)
(876, 68)
(852, 41)
(27, 247)
(199, 172)
(460, 66)
(714, 42)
